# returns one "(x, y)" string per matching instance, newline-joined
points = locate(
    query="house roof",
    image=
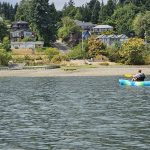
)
(113, 36)
(86, 34)
(82, 23)
(122, 36)
(21, 30)
(20, 22)
(103, 36)
(31, 42)
(103, 27)
(39, 42)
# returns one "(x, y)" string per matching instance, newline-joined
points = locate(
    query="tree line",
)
(8, 11)
(126, 16)
(118, 13)
(130, 17)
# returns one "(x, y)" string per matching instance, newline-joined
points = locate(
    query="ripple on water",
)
(73, 113)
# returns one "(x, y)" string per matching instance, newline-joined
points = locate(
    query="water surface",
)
(73, 113)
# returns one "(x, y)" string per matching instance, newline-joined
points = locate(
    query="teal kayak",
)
(133, 83)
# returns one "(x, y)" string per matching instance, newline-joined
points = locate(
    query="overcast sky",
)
(58, 3)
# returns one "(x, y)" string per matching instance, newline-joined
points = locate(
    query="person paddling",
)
(139, 76)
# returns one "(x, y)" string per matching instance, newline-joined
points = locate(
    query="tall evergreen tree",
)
(15, 8)
(91, 5)
(86, 13)
(78, 15)
(11, 12)
(7, 11)
(69, 9)
(106, 11)
(42, 21)
(23, 10)
(95, 13)
(122, 1)
(3, 31)
(54, 19)
(110, 7)
(147, 5)
(101, 13)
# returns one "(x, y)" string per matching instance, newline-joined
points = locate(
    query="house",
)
(21, 30)
(110, 40)
(75, 38)
(122, 38)
(85, 25)
(101, 28)
(86, 35)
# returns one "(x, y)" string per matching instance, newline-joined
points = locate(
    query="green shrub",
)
(5, 57)
(27, 57)
(42, 49)
(27, 39)
(39, 58)
(5, 44)
(51, 52)
(104, 63)
(95, 47)
(132, 52)
(76, 54)
(147, 59)
(113, 54)
(147, 54)
(59, 58)
(18, 59)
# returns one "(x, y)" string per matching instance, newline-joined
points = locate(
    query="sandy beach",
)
(98, 71)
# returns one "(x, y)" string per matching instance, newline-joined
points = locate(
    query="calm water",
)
(73, 113)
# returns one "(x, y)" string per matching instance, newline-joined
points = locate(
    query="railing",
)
(4, 68)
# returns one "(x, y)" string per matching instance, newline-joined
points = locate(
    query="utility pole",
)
(82, 41)
(145, 36)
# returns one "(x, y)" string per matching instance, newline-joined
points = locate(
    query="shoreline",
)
(59, 72)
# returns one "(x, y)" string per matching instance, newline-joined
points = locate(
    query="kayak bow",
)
(133, 83)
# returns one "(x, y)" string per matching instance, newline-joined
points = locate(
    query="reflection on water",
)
(73, 113)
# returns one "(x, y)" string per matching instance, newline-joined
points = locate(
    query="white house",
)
(101, 28)
(110, 40)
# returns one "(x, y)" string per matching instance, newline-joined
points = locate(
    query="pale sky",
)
(58, 3)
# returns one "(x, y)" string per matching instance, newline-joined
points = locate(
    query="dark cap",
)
(139, 70)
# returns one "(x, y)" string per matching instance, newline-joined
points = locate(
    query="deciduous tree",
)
(3, 30)
(123, 18)
(132, 51)
(141, 25)
(95, 47)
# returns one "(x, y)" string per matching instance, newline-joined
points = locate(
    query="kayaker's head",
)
(139, 70)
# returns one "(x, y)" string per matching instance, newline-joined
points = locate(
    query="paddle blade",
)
(128, 75)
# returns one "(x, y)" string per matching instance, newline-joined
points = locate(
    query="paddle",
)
(128, 75)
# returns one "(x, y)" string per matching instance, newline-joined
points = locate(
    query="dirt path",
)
(61, 46)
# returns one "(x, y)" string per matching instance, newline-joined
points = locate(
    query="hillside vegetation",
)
(129, 17)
